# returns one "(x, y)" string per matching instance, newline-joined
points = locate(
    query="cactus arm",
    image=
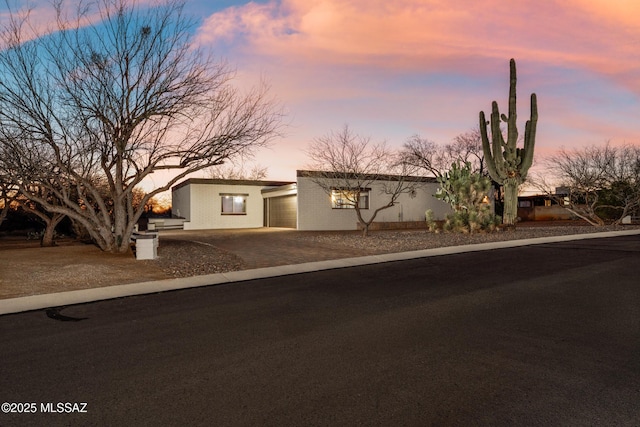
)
(530, 137)
(486, 148)
(512, 129)
(499, 146)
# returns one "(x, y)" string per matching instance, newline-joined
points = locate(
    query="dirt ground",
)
(28, 269)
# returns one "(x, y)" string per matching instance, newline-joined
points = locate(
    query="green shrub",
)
(468, 195)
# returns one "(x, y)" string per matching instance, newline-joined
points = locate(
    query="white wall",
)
(315, 212)
(181, 202)
(206, 207)
(201, 205)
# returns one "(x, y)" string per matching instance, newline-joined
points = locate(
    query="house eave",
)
(367, 177)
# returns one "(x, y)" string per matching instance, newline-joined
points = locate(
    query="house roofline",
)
(285, 187)
(230, 182)
(368, 177)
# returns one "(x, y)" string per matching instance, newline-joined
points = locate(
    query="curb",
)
(37, 302)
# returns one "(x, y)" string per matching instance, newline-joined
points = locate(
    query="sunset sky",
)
(392, 69)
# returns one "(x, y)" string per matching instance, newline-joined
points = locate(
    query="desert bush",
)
(468, 195)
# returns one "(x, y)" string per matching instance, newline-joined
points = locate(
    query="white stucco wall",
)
(201, 204)
(315, 211)
(181, 202)
(206, 207)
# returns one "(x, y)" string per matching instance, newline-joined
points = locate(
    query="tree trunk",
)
(47, 236)
(4, 211)
(365, 229)
(50, 230)
(590, 218)
(510, 214)
(116, 244)
(121, 242)
(364, 224)
(110, 235)
(124, 221)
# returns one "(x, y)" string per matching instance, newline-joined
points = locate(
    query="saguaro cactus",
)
(507, 164)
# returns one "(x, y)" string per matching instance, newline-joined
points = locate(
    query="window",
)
(345, 199)
(234, 204)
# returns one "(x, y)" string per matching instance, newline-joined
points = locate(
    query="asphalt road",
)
(540, 335)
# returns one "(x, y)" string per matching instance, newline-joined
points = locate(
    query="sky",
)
(393, 69)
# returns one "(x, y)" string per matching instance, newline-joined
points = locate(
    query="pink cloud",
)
(437, 34)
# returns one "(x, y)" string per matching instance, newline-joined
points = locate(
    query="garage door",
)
(283, 212)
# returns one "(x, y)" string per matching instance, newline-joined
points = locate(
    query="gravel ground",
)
(27, 269)
(401, 241)
(183, 258)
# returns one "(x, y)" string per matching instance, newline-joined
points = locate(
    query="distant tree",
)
(467, 148)
(115, 92)
(596, 182)
(50, 219)
(349, 163)
(436, 159)
(426, 155)
(7, 194)
(160, 204)
(11, 199)
(233, 170)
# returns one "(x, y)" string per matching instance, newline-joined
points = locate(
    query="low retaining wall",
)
(404, 225)
(544, 213)
(166, 223)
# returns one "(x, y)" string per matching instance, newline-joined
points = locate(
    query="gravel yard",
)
(28, 269)
(183, 258)
(187, 257)
(401, 241)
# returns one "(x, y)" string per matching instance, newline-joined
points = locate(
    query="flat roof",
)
(375, 177)
(290, 186)
(231, 182)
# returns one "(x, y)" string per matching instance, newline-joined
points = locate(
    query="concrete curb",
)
(37, 302)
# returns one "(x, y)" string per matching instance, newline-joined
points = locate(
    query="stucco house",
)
(221, 203)
(303, 204)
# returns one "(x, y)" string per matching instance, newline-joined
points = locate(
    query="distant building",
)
(542, 207)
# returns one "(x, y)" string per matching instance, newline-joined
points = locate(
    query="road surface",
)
(540, 335)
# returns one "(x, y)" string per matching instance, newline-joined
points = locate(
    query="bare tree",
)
(49, 219)
(426, 155)
(350, 164)
(467, 148)
(596, 181)
(7, 195)
(108, 104)
(233, 170)
(435, 159)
